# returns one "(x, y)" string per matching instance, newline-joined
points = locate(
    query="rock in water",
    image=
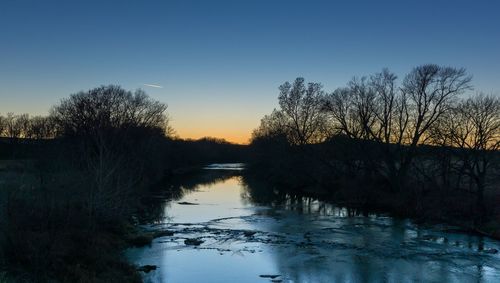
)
(491, 251)
(193, 242)
(269, 276)
(147, 268)
(164, 233)
(249, 233)
(187, 203)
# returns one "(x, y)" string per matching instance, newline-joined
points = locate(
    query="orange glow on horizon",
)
(227, 120)
(238, 137)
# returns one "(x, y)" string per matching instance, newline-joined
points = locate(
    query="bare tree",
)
(401, 117)
(41, 127)
(23, 123)
(24, 126)
(111, 126)
(271, 126)
(2, 125)
(352, 109)
(431, 91)
(300, 112)
(340, 106)
(365, 108)
(383, 85)
(12, 126)
(428, 93)
(474, 128)
(109, 108)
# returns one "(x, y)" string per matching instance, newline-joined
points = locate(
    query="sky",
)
(218, 64)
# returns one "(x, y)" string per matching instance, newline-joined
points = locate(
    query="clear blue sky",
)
(220, 62)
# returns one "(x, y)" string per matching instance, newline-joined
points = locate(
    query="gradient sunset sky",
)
(218, 64)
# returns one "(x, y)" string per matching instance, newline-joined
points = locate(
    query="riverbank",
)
(51, 240)
(44, 235)
(67, 212)
(423, 206)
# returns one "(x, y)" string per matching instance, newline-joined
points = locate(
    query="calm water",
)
(250, 231)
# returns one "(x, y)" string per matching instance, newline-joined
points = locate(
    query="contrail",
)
(155, 86)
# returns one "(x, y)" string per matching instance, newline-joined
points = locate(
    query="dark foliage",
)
(417, 149)
(69, 196)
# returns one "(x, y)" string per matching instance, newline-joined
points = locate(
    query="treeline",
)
(424, 146)
(71, 182)
(25, 126)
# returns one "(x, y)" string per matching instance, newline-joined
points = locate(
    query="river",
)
(248, 232)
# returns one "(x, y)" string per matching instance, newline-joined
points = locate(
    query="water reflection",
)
(225, 166)
(157, 203)
(249, 229)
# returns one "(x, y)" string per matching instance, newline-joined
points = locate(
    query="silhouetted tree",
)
(300, 116)
(108, 108)
(2, 125)
(13, 127)
(353, 109)
(41, 127)
(428, 92)
(473, 126)
(23, 123)
(113, 131)
(271, 126)
(384, 121)
(367, 109)
(383, 85)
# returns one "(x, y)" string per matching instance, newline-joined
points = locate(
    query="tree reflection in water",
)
(302, 238)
